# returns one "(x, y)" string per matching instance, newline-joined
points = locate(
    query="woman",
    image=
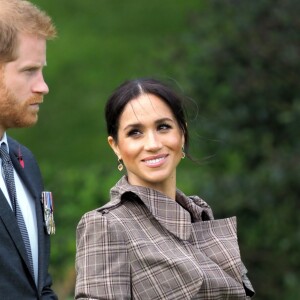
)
(150, 241)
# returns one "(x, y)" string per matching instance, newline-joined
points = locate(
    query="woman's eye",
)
(134, 132)
(164, 127)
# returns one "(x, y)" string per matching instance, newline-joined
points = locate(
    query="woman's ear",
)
(114, 146)
(182, 141)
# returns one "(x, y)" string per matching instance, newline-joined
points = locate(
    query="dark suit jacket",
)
(16, 281)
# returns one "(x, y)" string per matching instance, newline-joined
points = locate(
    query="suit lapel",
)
(24, 173)
(29, 181)
(10, 222)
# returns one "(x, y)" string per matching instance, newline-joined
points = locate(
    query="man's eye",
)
(30, 70)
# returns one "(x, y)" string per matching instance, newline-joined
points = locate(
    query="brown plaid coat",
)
(143, 245)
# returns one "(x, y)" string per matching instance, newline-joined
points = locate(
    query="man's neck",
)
(2, 132)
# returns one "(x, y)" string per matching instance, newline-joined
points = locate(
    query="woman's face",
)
(149, 142)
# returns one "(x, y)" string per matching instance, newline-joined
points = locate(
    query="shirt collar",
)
(4, 139)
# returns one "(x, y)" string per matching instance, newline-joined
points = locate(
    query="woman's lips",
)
(155, 161)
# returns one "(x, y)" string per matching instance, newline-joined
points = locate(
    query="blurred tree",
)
(241, 61)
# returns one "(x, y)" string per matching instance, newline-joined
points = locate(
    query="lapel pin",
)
(20, 158)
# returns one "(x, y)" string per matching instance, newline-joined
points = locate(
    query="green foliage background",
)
(238, 63)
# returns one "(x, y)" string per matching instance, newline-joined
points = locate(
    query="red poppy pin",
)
(20, 158)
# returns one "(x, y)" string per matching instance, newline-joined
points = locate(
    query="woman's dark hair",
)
(132, 89)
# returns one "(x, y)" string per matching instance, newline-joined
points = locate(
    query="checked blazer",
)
(143, 245)
(16, 280)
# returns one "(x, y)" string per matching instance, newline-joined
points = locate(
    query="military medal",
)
(48, 212)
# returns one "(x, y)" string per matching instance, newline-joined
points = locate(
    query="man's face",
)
(22, 85)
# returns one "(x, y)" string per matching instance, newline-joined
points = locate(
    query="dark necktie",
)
(8, 173)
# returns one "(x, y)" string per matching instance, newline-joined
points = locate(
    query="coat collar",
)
(176, 218)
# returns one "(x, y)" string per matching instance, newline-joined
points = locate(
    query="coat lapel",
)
(10, 222)
(24, 173)
(27, 176)
(169, 214)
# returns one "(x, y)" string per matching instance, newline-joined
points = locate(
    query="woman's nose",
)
(152, 142)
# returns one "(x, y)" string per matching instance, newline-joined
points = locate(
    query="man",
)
(24, 237)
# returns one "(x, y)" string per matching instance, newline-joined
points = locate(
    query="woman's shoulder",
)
(97, 225)
(101, 211)
(103, 218)
(116, 208)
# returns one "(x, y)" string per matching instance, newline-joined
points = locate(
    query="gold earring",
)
(120, 165)
(183, 153)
